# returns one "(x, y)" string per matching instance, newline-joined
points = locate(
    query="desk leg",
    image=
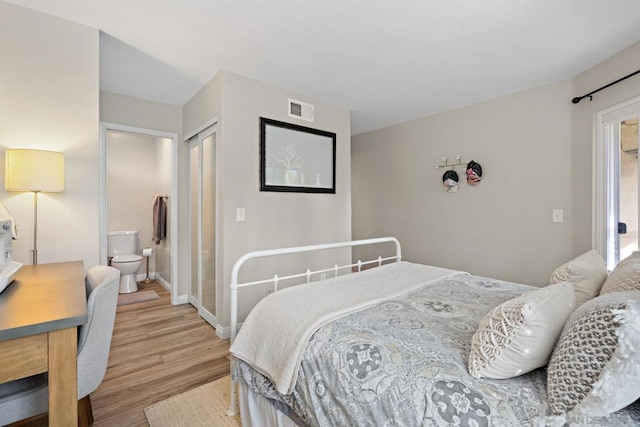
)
(63, 377)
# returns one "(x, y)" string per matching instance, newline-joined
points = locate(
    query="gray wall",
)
(535, 148)
(500, 228)
(272, 219)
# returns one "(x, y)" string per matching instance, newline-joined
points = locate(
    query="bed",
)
(387, 346)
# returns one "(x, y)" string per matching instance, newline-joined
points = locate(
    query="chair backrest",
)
(94, 338)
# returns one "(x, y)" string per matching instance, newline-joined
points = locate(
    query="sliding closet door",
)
(209, 224)
(202, 183)
(194, 209)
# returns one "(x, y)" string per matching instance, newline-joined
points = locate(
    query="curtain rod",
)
(580, 98)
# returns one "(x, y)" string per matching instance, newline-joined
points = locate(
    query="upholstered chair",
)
(28, 397)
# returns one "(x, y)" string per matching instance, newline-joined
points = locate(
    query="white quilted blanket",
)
(274, 335)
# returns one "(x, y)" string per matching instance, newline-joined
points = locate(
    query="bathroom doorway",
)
(203, 220)
(136, 165)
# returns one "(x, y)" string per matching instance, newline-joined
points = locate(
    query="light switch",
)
(240, 215)
(557, 215)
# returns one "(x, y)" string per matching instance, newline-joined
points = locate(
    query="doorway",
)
(203, 223)
(617, 190)
(167, 160)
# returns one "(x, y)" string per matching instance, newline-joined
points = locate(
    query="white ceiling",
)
(386, 61)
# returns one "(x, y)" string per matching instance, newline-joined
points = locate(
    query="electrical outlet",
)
(323, 276)
(557, 215)
(240, 215)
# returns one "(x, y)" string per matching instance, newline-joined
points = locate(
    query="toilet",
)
(122, 250)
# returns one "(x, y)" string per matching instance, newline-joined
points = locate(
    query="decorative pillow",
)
(595, 368)
(518, 336)
(586, 273)
(625, 276)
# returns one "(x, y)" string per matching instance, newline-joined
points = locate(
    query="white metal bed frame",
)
(234, 286)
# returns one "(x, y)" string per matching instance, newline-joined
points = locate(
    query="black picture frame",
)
(296, 158)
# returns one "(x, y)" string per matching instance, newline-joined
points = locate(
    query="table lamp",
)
(36, 171)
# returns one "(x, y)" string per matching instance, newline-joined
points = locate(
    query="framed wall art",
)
(296, 158)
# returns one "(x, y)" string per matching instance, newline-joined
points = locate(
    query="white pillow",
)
(518, 336)
(595, 368)
(625, 276)
(586, 273)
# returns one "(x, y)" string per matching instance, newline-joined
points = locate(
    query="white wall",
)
(49, 100)
(272, 219)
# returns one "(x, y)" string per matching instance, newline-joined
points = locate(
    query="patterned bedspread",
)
(403, 362)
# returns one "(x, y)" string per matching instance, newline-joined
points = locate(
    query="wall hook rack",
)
(445, 163)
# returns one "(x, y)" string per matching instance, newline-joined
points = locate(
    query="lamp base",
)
(35, 228)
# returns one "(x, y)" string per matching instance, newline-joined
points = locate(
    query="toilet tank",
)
(122, 242)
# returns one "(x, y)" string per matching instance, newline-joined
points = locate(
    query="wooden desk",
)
(39, 315)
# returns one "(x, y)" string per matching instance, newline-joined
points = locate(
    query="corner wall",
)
(49, 100)
(273, 219)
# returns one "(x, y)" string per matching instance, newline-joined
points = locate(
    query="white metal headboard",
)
(234, 286)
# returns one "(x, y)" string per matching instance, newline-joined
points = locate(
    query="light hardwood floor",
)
(157, 351)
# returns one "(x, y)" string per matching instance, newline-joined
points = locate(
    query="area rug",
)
(134, 297)
(203, 406)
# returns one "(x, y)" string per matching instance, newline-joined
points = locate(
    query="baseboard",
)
(163, 282)
(224, 332)
(182, 299)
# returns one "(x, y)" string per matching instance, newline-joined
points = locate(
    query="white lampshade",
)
(34, 170)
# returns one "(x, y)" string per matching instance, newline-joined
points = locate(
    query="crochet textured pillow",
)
(595, 368)
(518, 336)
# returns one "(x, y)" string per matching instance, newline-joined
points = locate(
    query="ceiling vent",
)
(301, 110)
